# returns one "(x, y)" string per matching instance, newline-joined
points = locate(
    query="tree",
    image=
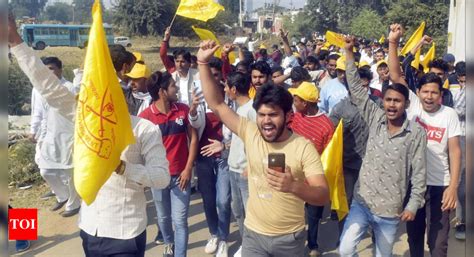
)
(231, 6)
(322, 14)
(367, 24)
(83, 10)
(411, 14)
(61, 12)
(31, 8)
(144, 17)
(147, 17)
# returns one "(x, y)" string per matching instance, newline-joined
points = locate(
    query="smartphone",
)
(276, 161)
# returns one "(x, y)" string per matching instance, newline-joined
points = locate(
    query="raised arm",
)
(42, 79)
(393, 63)
(226, 68)
(286, 43)
(358, 93)
(212, 93)
(169, 65)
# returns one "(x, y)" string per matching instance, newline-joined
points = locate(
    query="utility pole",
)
(240, 13)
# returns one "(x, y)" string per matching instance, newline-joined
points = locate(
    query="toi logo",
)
(22, 224)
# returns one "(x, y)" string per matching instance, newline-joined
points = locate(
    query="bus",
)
(39, 36)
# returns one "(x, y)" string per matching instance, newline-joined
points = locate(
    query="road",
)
(58, 236)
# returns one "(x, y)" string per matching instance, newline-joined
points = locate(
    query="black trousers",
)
(437, 221)
(109, 247)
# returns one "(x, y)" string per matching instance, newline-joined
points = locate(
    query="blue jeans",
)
(172, 206)
(357, 222)
(214, 185)
(313, 216)
(240, 194)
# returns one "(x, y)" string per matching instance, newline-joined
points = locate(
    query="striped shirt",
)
(318, 129)
(173, 126)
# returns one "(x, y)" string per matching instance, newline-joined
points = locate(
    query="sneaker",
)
(24, 186)
(168, 250)
(239, 252)
(48, 195)
(211, 246)
(22, 245)
(159, 240)
(460, 233)
(314, 253)
(222, 249)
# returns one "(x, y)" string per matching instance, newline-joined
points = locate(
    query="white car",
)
(125, 41)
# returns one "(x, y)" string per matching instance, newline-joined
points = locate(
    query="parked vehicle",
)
(125, 41)
(41, 35)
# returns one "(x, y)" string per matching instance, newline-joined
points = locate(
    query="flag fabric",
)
(414, 39)
(382, 39)
(103, 127)
(202, 10)
(335, 39)
(332, 164)
(205, 34)
(416, 61)
(429, 56)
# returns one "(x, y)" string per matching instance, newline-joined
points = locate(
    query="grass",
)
(30, 198)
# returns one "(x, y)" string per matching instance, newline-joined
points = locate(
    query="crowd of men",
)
(403, 151)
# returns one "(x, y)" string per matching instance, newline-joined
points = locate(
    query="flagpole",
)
(174, 17)
(172, 21)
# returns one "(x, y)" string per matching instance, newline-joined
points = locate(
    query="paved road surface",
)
(59, 236)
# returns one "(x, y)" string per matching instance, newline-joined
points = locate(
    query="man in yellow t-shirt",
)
(275, 223)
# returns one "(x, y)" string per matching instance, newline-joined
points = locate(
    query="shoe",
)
(222, 250)
(24, 186)
(22, 245)
(70, 213)
(168, 250)
(460, 233)
(211, 246)
(47, 195)
(314, 253)
(159, 239)
(57, 206)
(334, 215)
(239, 252)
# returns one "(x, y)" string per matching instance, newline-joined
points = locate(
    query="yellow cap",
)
(139, 71)
(363, 63)
(306, 91)
(381, 62)
(138, 56)
(341, 63)
(262, 46)
(296, 54)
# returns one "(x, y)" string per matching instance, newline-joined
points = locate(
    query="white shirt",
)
(55, 135)
(119, 210)
(439, 127)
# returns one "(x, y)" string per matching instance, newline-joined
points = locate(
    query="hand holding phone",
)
(276, 161)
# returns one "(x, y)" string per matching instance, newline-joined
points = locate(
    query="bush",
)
(21, 163)
(19, 90)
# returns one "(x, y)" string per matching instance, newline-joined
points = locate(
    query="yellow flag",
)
(429, 56)
(446, 84)
(382, 39)
(416, 62)
(332, 164)
(335, 39)
(103, 127)
(202, 10)
(205, 34)
(414, 39)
